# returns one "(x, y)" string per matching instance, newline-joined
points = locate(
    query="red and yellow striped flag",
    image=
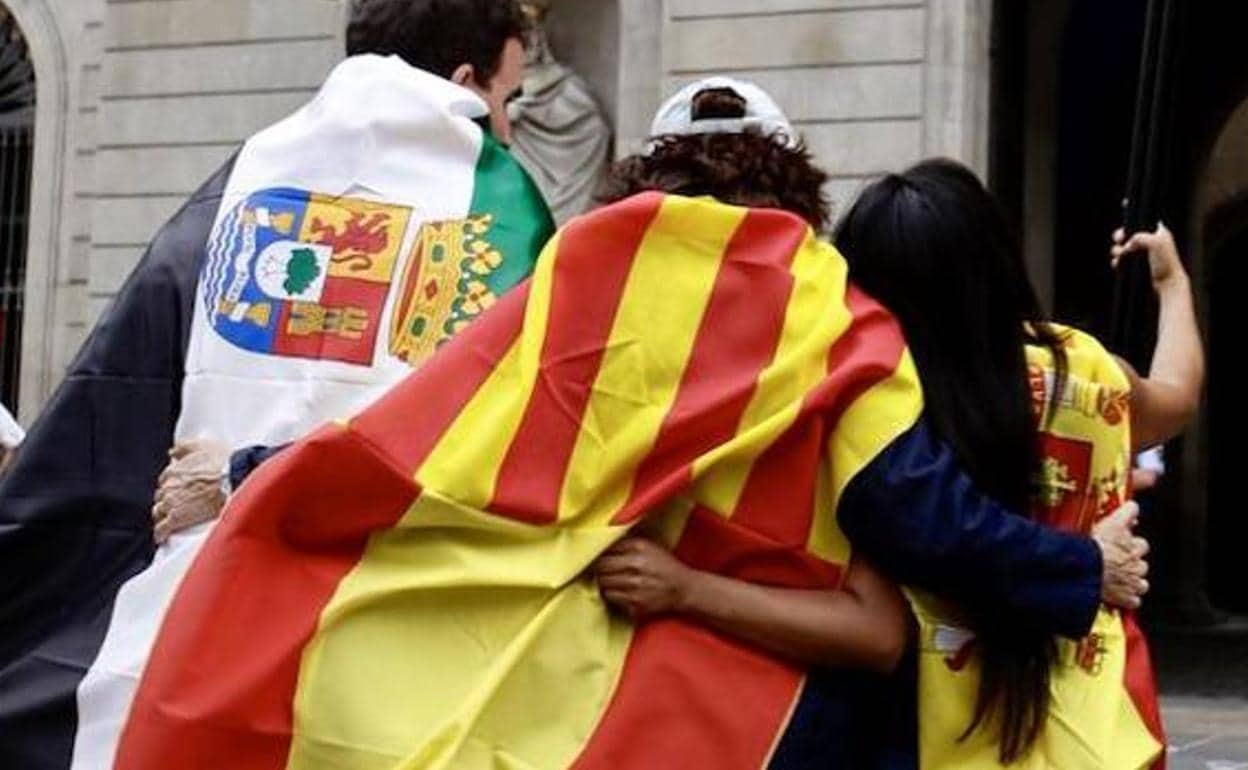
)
(408, 589)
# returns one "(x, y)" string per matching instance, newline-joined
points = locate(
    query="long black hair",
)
(934, 246)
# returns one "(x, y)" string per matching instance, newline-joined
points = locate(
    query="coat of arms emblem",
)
(297, 274)
(303, 275)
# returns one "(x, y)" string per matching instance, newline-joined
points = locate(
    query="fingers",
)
(1126, 570)
(183, 503)
(632, 554)
(1142, 242)
(1139, 240)
(178, 466)
(1132, 595)
(621, 548)
(1128, 515)
(617, 582)
(182, 449)
(1118, 525)
(163, 530)
(1127, 595)
(623, 601)
(613, 564)
(1129, 586)
(616, 596)
(633, 544)
(162, 521)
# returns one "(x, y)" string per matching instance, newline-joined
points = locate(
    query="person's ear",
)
(464, 75)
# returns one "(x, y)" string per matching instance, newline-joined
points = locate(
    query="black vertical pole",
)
(1145, 88)
(1146, 167)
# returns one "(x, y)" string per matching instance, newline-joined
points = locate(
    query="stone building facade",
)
(138, 100)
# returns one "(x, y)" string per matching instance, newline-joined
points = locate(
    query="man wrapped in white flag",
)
(351, 240)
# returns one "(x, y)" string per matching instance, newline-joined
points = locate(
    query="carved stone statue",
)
(559, 132)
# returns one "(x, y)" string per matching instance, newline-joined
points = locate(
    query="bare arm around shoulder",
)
(865, 624)
(1164, 402)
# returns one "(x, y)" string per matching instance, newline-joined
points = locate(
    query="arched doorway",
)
(1220, 216)
(17, 118)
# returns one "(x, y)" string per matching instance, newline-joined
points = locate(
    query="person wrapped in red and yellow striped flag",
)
(410, 588)
(1041, 413)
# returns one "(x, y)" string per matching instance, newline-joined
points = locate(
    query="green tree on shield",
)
(301, 271)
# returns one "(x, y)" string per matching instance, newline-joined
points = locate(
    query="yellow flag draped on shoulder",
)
(1104, 712)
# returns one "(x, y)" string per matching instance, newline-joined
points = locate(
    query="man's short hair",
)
(437, 35)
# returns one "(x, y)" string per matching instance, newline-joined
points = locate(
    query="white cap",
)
(762, 114)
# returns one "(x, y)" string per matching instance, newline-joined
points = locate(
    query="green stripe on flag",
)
(522, 222)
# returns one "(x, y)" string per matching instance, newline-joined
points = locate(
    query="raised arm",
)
(1164, 402)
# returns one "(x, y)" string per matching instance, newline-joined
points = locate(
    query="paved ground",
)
(1207, 733)
(1203, 675)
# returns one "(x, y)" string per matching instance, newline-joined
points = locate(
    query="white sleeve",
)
(1152, 460)
(11, 434)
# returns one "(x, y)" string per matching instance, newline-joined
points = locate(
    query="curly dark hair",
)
(437, 35)
(745, 169)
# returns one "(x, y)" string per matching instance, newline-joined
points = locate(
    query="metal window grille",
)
(17, 101)
(15, 157)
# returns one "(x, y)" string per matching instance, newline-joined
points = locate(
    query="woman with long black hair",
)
(1036, 413)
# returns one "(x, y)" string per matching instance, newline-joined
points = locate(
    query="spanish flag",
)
(1103, 709)
(408, 589)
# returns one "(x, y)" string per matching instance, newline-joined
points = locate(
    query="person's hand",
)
(1124, 570)
(189, 489)
(1164, 263)
(642, 578)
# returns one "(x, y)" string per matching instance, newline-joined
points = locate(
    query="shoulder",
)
(1086, 357)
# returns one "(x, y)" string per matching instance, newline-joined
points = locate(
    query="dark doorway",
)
(1100, 61)
(1060, 144)
(1007, 105)
(1228, 415)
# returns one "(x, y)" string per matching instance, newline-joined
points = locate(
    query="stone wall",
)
(157, 93)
